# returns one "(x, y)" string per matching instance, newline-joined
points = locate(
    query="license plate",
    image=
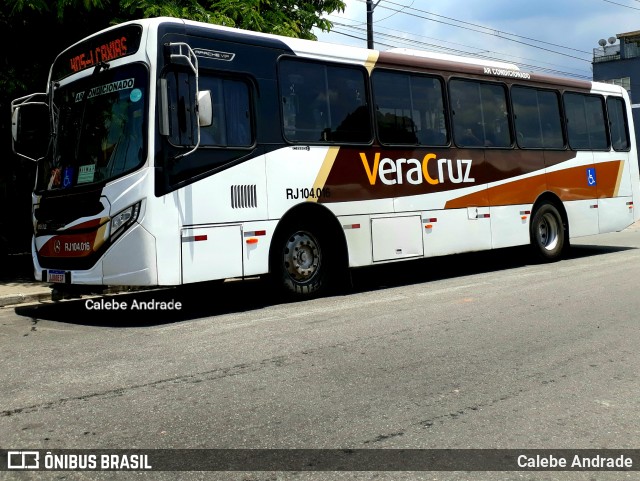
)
(56, 276)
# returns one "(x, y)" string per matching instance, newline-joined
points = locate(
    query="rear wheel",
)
(548, 233)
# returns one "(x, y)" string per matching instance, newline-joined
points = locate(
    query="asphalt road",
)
(471, 351)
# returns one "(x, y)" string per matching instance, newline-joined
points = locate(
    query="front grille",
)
(56, 210)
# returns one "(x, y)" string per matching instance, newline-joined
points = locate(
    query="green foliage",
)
(43, 7)
(190, 9)
(283, 17)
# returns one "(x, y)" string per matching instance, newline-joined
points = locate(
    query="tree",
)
(283, 17)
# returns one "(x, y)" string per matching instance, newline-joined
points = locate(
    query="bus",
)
(173, 152)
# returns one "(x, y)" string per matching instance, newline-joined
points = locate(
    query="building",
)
(617, 61)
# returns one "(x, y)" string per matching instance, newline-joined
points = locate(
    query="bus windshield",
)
(100, 124)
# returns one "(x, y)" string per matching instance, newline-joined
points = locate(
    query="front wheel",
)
(301, 263)
(548, 233)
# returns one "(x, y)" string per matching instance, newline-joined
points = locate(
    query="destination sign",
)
(106, 47)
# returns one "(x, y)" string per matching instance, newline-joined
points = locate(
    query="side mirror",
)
(205, 108)
(30, 130)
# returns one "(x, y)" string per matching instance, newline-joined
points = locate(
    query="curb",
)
(13, 299)
(47, 295)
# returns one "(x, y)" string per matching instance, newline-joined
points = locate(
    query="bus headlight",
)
(124, 219)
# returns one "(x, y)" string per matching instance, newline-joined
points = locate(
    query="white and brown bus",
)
(179, 152)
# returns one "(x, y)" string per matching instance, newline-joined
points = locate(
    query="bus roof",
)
(369, 58)
(454, 58)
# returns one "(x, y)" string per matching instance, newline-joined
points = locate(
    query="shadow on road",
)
(446, 267)
(153, 307)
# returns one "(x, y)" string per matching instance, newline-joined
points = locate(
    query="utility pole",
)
(370, 8)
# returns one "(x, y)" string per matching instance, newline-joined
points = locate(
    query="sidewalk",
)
(13, 293)
(17, 285)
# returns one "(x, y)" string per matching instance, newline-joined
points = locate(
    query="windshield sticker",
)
(136, 95)
(107, 89)
(67, 177)
(86, 173)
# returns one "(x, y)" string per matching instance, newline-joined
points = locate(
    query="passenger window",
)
(231, 126)
(479, 114)
(618, 124)
(324, 103)
(230, 135)
(537, 118)
(586, 125)
(409, 109)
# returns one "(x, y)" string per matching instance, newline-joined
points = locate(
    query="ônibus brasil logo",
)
(414, 171)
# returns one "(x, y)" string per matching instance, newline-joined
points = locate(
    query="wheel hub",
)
(301, 256)
(548, 232)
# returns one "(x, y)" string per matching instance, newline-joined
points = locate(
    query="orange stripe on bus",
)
(568, 184)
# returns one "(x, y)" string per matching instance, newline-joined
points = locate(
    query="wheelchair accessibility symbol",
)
(591, 176)
(67, 177)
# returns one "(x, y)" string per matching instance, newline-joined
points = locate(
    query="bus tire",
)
(301, 264)
(548, 233)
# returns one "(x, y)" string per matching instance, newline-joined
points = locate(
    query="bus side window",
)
(466, 113)
(409, 108)
(231, 119)
(496, 116)
(527, 117)
(597, 124)
(179, 88)
(551, 119)
(537, 118)
(323, 102)
(392, 94)
(585, 121)
(480, 114)
(350, 117)
(618, 124)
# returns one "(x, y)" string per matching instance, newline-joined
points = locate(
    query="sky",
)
(552, 36)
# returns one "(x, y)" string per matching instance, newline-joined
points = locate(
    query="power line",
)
(490, 31)
(413, 43)
(440, 47)
(400, 11)
(423, 14)
(622, 5)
